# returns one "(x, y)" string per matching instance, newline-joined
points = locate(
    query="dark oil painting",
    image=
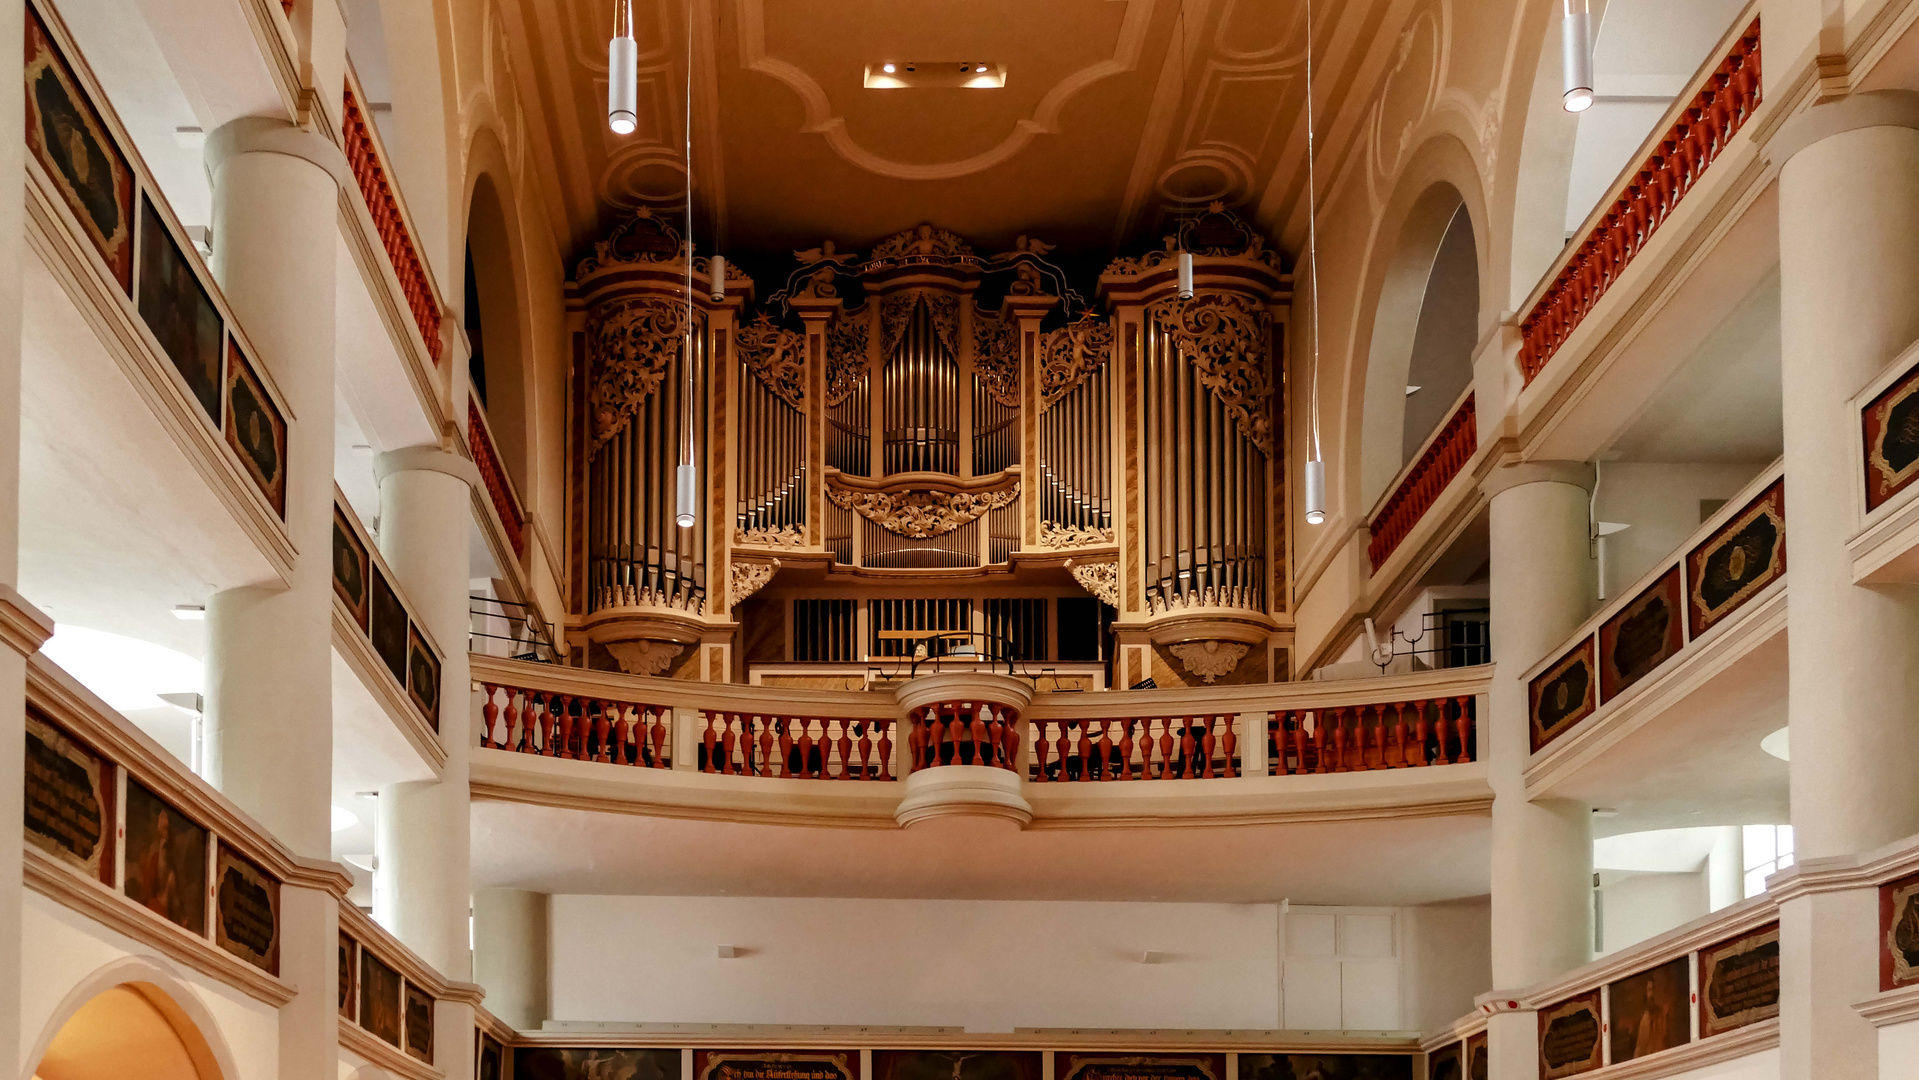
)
(69, 800)
(419, 1023)
(1739, 981)
(389, 629)
(1139, 1066)
(1444, 1063)
(1478, 1061)
(246, 918)
(492, 1060)
(66, 135)
(1641, 636)
(1651, 1010)
(587, 1063)
(1325, 1067)
(255, 429)
(349, 976)
(350, 569)
(1891, 424)
(166, 860)
(776, 1065)
(177, 309)
(956, 1065)
(1562, 695)
(379, 998)
(1899, 933)
(423, 677)
(1569, 1041)
(1742, 557)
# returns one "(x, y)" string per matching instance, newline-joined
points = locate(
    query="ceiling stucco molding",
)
(821, 120)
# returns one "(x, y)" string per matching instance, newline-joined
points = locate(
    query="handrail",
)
(367, 159)
(1678, 582)
(408, 654)
(1724, 94)
(1447, 451)
(499, 485)
(416, 988)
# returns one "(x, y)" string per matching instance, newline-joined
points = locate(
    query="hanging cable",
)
(688, 474)
(1315, 466)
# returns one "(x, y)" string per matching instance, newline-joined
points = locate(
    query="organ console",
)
(924, 444)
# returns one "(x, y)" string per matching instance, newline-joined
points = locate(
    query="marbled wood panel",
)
(1562, 695)
(1899, 933)
(776, 1065)
(1739, 981)
(1445, 1063)
(815, 682)
(1570, 1037)
(1168, 671)
(1640, 636)
(763, 630)
(1068, 1066)
(1733, 564)
(1648, 1010)
(1477, 1064)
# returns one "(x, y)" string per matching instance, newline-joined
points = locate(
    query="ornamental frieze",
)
(1069, 354)
(1054, 535)
(921, 514)
(897, 310)
(631, 345)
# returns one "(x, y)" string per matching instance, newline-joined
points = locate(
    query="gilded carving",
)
(642, 238)
(897, 310)
(771, 536)
(996, 355)
(631, 346)
(644, 657)
(1069, 354)
(924, 241)
(845, 358)
(1054, 535)
(777, 356)
(1230, 596)
(921, 514)
(1099, 578)
(1218, 233)
(747, 579)
(1224, 336)
(1209, 659)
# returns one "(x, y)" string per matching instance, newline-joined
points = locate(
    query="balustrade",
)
(578, 727)
(964, 733)
(796, 747)
(1135, 748)
(389, 219)
(499, 488)
(1357, 738)
(1445, 455)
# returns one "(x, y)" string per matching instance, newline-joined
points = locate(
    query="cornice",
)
(384, 689)
(940, 1037)
(384, 945)
(384, 1055)
(1813, 876)
(23, 627)
(1456, 1032)
(1726, 923)
(1891, 1007)
(94, 900)
(1737, 1043)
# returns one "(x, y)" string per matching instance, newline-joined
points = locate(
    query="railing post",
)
(683, 733)
(1252, 743)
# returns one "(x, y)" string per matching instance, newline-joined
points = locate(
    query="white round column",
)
(424, 826)
(1848, 304)
(269, 684)
(1543, 587)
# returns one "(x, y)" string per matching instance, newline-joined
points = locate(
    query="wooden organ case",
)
(925, 439)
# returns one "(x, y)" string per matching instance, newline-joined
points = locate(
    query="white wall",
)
(1661, 504)
(1448, 961)
(1899, 1051)
(987, 965)
(1635, 906)
(1340, 969)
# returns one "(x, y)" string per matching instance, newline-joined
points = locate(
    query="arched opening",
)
(491, 318)
(1424, 331)
(133, 1029)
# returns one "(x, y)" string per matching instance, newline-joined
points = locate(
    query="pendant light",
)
(1577, 50)
(1315, 467)
(1185, 275)
(716, 269)
(687, 476)
(622, 72)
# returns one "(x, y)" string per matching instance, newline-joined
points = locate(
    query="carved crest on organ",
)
(777, 356)
(630, 346)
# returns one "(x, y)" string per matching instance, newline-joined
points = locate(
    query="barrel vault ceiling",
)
(1116, 115)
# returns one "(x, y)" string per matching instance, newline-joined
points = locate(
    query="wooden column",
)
(816, 313)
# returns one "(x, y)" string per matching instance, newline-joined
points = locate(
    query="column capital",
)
(267, 135)
(428, 459)
(1873, 108)
(1578, 474)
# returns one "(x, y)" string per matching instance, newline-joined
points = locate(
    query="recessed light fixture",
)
(889, 68)
(190, 612)
(981, 69)
(934, 75)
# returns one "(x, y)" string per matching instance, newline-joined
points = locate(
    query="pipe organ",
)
(926, 451)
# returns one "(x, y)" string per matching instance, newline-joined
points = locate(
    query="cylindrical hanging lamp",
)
(622, 72)
(716, 269)
(1576, 48)
(1185, 275)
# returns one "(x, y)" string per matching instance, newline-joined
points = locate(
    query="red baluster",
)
(1167, 766)
(602, 731)
(845, 745)
(728, 740)
(1338, 747)
(1042, 749)
(785, 728)
(1205, 746)
(1230, 744)
(1401, 758)
(1009, 738)
(916, 741)
(662, 756)
(707, 741)
(977, 733)
(1061, 748)
(884, 755)
(1365, 739)
(1465, 725)
(1440, 757)
(489, 714)
(1126, 749)
(1299, 742)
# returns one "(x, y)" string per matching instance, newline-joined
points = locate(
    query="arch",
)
(494, 306)
(1438, 181)
(131, 1011)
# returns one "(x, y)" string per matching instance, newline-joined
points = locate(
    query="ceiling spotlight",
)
(622, 72)
(1576, 49)
(190, 612)
(888, 68)
(981, 69)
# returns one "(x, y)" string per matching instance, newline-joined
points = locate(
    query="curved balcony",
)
(980, 745)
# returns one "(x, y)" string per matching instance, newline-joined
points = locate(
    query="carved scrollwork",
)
(777, 356)
(747, 579)
(1210, 659)
(631, 346)
(996, 355)
(1224, 335)
(845, 358)
(644, 657)
(1099, 578)
(1054, 535)
(923, 241)
(1217, 233)
(643, 238)
(771, 536)
(921, 514)
(897, 309)
(1069, 354)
